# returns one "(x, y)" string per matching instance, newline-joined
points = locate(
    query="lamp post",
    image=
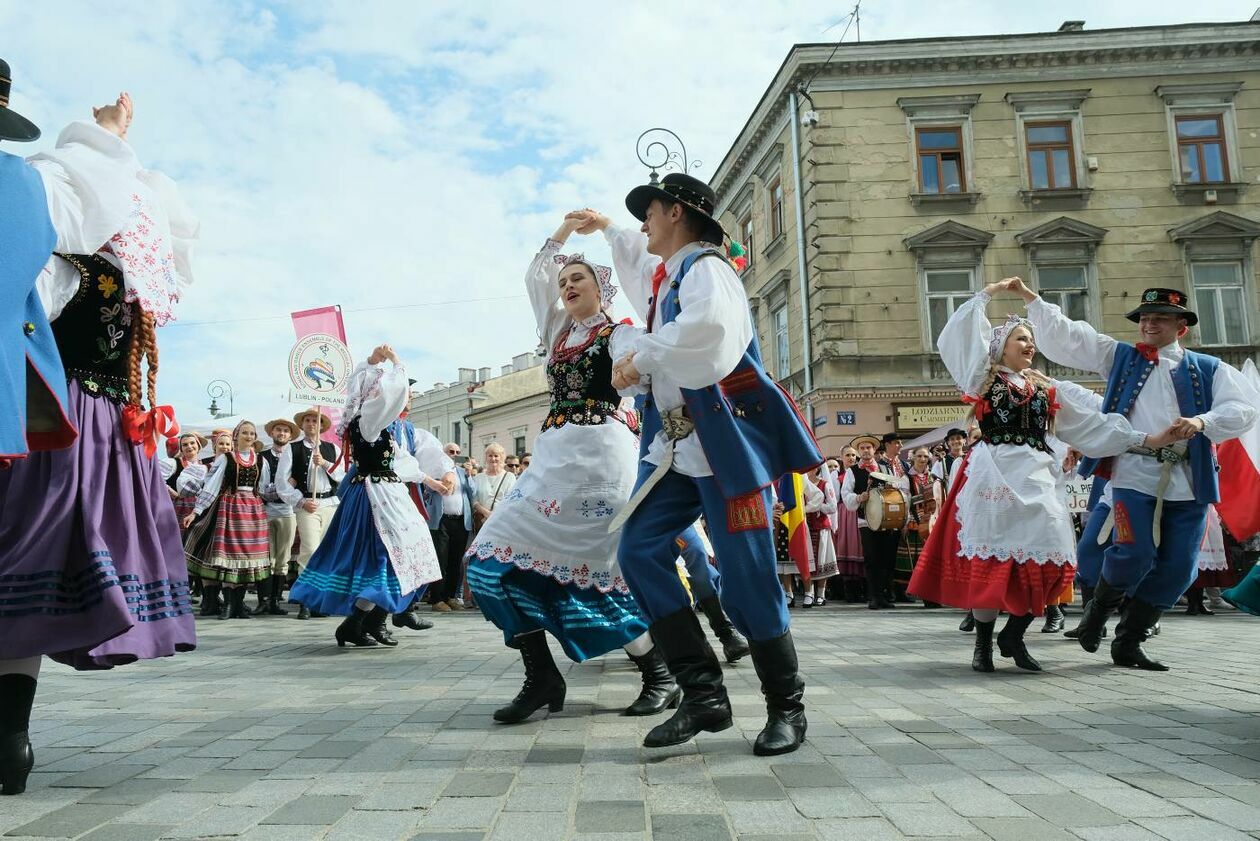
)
(658, 152)
(217, 389)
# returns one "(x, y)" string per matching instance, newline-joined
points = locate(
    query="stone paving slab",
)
(905, 742)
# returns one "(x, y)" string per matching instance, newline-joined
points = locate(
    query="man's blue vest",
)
(32, 381)
(750, 430)
(1192, 381)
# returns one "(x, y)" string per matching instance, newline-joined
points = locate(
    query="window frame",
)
(1221, 138)
(925, 272)
(782, 350)
(1089, 291)
(1203, 101)
(1048, 148)
(960, 149)
(746, 232)
(775, 203)
(1242, 266)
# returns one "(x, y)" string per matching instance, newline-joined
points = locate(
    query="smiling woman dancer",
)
(1004, 539)
(545, 561)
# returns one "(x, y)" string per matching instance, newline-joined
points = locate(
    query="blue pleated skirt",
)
(351, 563)
(586, 622)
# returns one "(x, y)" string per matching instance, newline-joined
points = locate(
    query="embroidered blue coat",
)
(750, 430)
(33, 397)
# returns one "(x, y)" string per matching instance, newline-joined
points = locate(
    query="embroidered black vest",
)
(94, 330)
(372, 458)
(302, 463)
(1015, 418)
(862, 476)
(240, 475)
(272, 460)
(580, 381)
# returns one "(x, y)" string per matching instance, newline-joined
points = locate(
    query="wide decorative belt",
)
(1168, 457)
(676, 424)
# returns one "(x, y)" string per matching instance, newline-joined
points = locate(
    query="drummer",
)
(870, 477)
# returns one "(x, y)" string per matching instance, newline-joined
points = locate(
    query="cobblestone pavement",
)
(269, 731)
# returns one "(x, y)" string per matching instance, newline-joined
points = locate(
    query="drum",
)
(886, 509)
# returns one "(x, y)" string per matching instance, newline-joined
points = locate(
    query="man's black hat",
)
(890, 437)
(1166, 301)
(13, 126)
(955, 431)
(679, 187)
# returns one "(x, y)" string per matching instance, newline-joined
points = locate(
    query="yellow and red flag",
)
(792, 495)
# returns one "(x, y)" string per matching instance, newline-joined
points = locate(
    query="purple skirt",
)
(92, 568)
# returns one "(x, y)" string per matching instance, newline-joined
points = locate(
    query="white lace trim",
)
(564, 571)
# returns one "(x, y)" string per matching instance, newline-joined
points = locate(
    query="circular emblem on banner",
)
(320, 364)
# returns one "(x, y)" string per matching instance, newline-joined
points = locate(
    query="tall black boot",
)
(264, 589)
(543, 687)
(17, 696)
(982, 656)
(410, 618)
(968, 623)
(782, 685)
(704, 706)
(239, 610)
(226, 599)
(374, 627)
(210, 603)
(733, 645)
(351, 630)
(304, 612)
(1093, 622)
(1131, 631)
(660, 692)
(1054, 619)
(1194, 602)
(1011, 642)
(277, 594)
(1087, 595)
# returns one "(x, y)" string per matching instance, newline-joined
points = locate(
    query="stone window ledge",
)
(943, 198)
(773, 246)
(1076, 194)
(1224, 189)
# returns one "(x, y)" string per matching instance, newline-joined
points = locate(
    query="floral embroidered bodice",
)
(580, 381)
(94, 329)
(372, 458)
(1015, 414)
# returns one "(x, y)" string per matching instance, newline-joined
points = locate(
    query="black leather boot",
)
(17, 696)
(1195, 605)
(543, 687)
(374, 627)
(982, 656)
(239, 610)
(1126, 649)
(225, 602)
(782, 685)
(1094, 620)
(1054, 619)
(277, 595)
(660, 692)
(734, 646)
(264, 591)
(968, 624)
(1011, 642)
(210, 603)
(704, 706)
(410, 618)
(1087, 595)
(304, 612)
(351, 630)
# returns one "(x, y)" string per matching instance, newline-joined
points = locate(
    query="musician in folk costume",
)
(717, 432)
(1159, 495)
(1005, 539)
(870, 477)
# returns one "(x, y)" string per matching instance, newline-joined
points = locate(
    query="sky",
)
(406, 160)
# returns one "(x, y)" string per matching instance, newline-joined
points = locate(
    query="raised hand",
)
(116, 118)
(596, 222)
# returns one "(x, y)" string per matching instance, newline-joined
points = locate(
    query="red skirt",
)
(1214, 578)
(945, 577)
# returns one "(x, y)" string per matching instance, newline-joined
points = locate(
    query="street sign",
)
(846, 418)
(319, 369)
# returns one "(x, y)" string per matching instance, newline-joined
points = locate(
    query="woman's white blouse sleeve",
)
(384, 397)
(541, 281)
(211, 486)
(1082, 425)
(964, 343)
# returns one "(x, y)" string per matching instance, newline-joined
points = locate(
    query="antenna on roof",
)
(852, 18)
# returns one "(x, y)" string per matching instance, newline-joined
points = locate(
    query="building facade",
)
(1091, 163)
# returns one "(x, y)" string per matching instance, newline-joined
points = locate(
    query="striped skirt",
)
(228, 544)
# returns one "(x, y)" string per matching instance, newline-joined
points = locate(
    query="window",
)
(455, 430)
(1051, 161)
(437, 432)
(1220, 301)
(947, 290)
(518, 445)
(779, 326)
(940, 159)
(746, 235)
(1066, 286)
(776, 209)
(1201, 149)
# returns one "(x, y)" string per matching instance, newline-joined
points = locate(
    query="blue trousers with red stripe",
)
(1157, 575)
(747, 583)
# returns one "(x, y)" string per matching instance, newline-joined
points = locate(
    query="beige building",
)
(1091, 163)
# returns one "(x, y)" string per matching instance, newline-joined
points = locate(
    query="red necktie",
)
(658, 277)
(1149, 352)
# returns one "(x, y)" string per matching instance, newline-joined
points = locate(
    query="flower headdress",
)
(1000, 334)
(603, 275)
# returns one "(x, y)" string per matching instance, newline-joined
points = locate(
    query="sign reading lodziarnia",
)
(911, 416)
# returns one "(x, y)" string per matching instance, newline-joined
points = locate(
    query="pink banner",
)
(322, 320)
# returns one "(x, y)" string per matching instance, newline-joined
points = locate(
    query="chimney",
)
(521, 361)
(467, 375)
(505, 370)
(1072, 26)
(483, 375)
(438, 386)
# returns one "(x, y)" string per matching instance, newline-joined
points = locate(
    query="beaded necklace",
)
(1020, 394)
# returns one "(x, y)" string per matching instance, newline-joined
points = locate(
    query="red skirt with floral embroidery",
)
(945, 577)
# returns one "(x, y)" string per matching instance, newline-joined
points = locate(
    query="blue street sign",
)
(821, 420)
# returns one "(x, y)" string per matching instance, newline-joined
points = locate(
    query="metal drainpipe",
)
(807, 352)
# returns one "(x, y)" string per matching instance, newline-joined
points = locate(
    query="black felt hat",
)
(13, 126)
(679, 187)
(1166, 301)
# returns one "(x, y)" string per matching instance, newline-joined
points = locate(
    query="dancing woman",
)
(1004, 539)
(377, 553)
(545, 562)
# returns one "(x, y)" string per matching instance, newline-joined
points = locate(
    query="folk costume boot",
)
(1011, 642)
(374, 627)
(1126, 649)
(705, 706)
(734, 646)
(17, 696)
(968, 623)
(210, 604)
(543, 687)
(1087, 595)
(1195, 605)
(351, 630)
(782, 685)
(239, 610)
(225, 602)
(982, 656)
(660, 692)
(264, 591)
(410, 618)
(1054, 619)
(1094, 621)
(304, 612)
(277, 596)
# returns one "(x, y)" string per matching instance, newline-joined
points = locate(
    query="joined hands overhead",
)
(116, 118)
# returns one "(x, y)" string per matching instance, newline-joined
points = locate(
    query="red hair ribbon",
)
(1052, 394)
(145, 428)
(981, 404)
